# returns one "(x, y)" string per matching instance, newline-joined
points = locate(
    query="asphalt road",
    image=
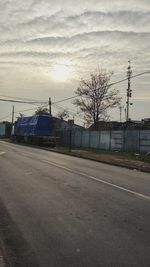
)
(61, 211)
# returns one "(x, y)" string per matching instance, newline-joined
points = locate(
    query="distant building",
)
(62, 125)
(105, 125)
(114, 125)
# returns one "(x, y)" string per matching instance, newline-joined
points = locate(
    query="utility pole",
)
(125, 113)
(12, 122)
(129, 91)
(50, 104)
(70, 123)
(120, 109)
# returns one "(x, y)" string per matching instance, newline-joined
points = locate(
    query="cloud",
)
(59, 24)
(36, 34)
(56, 18)
(88, 48)
(80, 6)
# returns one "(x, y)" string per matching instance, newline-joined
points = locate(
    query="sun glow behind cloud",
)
(61, 71)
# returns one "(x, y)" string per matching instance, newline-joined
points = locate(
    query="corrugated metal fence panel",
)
(2, 129)
(77, 138)
(117, 140)
(65, 138)
(94, 139)
(104, 140)
(128, 140)
(85, 139)
(132, 140)
(144, 140)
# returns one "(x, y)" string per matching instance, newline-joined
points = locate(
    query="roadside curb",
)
(96, 160)
(73, 154)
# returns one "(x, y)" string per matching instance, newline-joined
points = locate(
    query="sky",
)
(47, 46)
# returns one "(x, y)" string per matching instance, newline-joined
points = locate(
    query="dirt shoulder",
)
(112, 159)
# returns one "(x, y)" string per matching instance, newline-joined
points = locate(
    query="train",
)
(36, 130)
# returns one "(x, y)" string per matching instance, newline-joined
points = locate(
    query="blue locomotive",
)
(37, 130)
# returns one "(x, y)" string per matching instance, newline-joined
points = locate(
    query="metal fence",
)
(2, 129)
(121, 140)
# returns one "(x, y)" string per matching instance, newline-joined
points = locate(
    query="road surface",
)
(61, 211)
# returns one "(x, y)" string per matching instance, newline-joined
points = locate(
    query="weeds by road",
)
(139, 161)
(130, 160)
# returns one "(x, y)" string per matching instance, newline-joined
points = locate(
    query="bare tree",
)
(41, 110)
(63, 114)
(96, 97)
(21, 115)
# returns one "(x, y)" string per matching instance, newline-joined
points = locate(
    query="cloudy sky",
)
(47, 46)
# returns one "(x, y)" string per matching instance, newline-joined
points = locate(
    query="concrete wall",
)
(127, 140)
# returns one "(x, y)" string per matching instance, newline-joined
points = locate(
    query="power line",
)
(120, 81)
(139, 74)
(16, 113)
(17, 101)
(61, 108)
(24, 110)
(28, 109)
(3, 118)
(19, 111)
(65, 99)
(27, 99)
(146, 72)
(71, 112)
(62, 100)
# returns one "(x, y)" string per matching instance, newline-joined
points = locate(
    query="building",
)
(115, 125)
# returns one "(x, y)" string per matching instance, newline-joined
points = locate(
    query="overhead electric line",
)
(139, 74)
(28, 109)
(62, 108)
(120, 81)
(37, 102)
(19, 111)
(3, 118)
(73, 113)
(65, 99)
(17, 101)
(29, 101)
(26, 99)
